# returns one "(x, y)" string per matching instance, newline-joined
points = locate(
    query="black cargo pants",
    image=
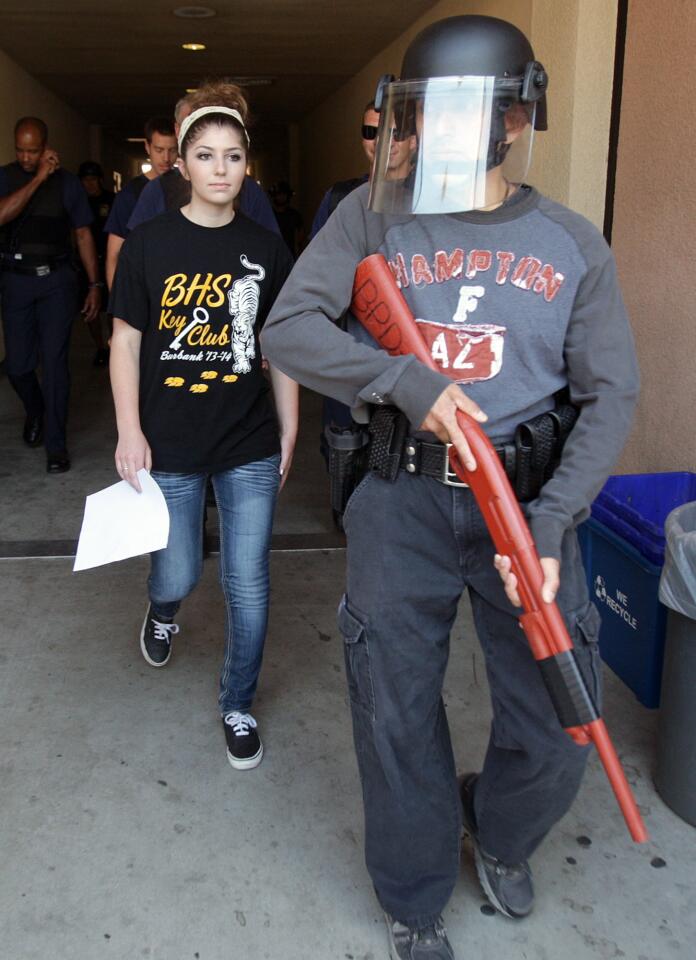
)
(413, 547)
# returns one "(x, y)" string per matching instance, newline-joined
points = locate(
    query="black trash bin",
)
(675, 777)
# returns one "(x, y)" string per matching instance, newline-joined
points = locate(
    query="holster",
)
(354, 450)
(388, 429)
(529, 460)
(347, 461)
(538, 446)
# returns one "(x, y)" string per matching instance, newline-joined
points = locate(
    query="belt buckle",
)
(449, 477)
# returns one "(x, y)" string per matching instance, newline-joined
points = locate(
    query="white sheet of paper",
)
(119, 523)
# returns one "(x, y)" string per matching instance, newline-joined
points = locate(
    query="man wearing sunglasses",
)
(338, 191)
(401, 150)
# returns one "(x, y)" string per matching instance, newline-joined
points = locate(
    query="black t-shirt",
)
(200, 296)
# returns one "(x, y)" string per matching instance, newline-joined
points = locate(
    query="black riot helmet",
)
(480, 46)
(472, 91)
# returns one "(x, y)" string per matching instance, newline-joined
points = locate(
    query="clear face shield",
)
(450, 144)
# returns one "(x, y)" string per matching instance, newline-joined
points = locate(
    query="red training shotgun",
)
(380, 307)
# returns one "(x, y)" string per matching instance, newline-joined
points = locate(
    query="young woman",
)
(192, 290)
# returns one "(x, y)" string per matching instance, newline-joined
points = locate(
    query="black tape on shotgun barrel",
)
(568, 691)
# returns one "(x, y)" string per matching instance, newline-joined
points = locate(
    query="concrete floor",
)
(124, 831)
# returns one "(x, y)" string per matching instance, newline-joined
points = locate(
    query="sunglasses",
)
(369, 133)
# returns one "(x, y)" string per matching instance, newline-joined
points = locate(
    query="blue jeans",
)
(414, 547)
(246, 498)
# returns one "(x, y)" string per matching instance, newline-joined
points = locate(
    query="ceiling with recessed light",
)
(119, 62)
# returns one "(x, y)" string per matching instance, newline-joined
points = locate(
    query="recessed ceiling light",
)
(135, 139)
(194, 13)
(193, 46)
(191, 89)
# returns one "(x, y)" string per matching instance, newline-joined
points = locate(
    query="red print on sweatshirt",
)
(466, 352)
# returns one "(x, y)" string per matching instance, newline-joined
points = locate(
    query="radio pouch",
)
(539, 443)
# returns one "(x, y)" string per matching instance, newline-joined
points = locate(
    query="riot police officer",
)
(517, 298)
(40, 204)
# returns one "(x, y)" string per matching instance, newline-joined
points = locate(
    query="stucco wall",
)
(577, 49)
(574, 40)
(22, 95)
(654, 235)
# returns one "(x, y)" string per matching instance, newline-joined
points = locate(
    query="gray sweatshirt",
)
(515, 305)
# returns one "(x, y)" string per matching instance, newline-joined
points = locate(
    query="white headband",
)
(202, 112)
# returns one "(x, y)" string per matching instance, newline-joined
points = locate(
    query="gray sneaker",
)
(429, 943)
(508, 886)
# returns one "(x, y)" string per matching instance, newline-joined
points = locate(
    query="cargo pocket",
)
(586, 642)
(357, 656)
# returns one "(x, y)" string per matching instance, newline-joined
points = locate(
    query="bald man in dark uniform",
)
(40, 205)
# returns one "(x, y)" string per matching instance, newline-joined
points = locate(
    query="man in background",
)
(162, 151)
(40, 206)
(341, 189)
(289, 219)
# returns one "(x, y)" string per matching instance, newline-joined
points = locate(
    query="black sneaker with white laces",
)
(508, 887)
(425, 943)
(244, 747)
(156, 638)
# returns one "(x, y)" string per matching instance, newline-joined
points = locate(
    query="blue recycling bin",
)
(636, 506)
(623, 586)
(622, 546)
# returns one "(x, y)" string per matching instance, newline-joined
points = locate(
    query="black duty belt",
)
(386, 447)
(432, 460)
(43, 269)
(529, 459)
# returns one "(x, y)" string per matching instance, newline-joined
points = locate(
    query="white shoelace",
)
(240, 722)
(163, 631)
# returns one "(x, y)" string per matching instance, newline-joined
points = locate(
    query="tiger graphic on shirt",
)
(243, 301)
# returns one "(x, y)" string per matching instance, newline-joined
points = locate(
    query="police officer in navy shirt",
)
(40, 205)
